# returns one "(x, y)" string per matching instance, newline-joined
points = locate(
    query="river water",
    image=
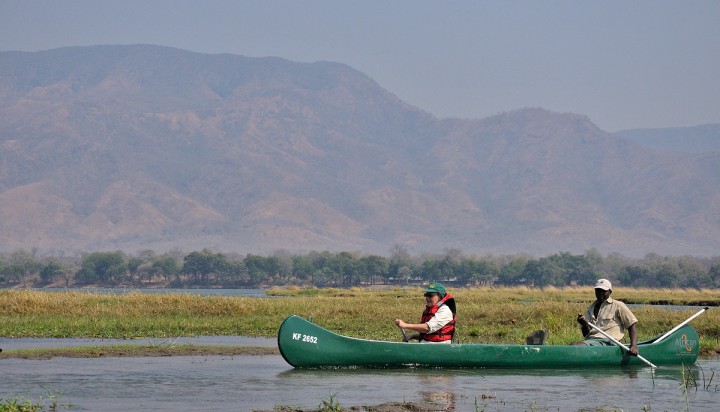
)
(247, 383)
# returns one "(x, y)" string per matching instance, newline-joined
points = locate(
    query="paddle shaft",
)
(681, 325)
(620, 344)
(405, 339)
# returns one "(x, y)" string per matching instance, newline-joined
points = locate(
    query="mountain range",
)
(147, 147)
(696, 139)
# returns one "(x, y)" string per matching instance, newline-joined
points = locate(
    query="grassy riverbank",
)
(138, 351)
(487, 315)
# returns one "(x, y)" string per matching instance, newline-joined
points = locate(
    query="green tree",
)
(319, 274)
(104, 268)
(50, 272)
(577, 268)
(355, 272)
(431, 269)
(376, 267)
(256, 269)
(714, 274)
(636, 275)
(20, 264)
(404, 274)
(281, 266)
(692, 274)
(544, 272)
(343, 265)
(166, 266)
(201, 266)
(512, 271)
(141, 266)
(303, 268)
(235, 274)
(400, 258)
(134, 266)
(667, 275)
(478, 272)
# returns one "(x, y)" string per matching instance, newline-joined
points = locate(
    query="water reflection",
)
(444, 399)
(629, 388)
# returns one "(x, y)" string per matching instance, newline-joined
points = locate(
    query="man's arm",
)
(417, 327)
(633, 339)
(584, 327)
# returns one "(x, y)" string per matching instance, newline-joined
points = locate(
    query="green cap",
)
(436, 288)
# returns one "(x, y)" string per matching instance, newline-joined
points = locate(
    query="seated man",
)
(611, 316)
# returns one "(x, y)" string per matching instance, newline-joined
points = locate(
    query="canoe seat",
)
(537, 338)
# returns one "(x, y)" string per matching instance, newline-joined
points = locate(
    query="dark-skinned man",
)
(610, 315)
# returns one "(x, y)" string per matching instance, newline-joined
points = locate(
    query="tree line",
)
(209, 268)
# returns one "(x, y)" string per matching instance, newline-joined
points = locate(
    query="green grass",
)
(137, 351)
(487, 315)
(21, 404)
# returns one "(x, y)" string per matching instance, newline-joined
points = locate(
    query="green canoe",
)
(306, 345)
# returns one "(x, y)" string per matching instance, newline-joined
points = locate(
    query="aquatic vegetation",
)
(22, 404)
(330, 404)
(485, 314)
(19, 404)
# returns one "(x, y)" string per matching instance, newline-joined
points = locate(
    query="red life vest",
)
(447, 331)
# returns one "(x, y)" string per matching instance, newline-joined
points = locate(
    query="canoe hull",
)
(306, 345)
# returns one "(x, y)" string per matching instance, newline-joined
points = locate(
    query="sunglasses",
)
(429, 295)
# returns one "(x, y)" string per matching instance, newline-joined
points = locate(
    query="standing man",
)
(438, 319)
(612, 316)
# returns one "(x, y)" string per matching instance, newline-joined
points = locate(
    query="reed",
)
(488, 315)
(21, 404)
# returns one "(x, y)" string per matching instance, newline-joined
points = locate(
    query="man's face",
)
(431, 299)
(602, 295)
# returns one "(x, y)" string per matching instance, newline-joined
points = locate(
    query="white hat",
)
(603, 284)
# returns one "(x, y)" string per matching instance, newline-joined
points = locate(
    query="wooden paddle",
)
(620, 344)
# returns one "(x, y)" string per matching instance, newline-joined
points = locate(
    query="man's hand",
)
(582, 321)
(633, 350)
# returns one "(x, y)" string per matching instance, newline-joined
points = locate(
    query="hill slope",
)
(129, 147)
(697, 139)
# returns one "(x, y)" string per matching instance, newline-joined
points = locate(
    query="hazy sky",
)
(624, 64)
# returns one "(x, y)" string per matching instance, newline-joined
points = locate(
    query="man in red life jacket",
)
(437, 324)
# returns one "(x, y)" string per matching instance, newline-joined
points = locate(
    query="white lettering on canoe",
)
(305, 338)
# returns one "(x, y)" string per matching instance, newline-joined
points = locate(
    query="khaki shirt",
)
(613, 318)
